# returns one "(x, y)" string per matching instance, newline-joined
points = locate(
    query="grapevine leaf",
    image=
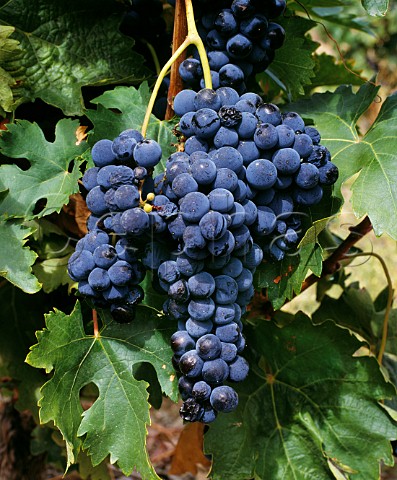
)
(53, 248)
(9, 49)
(52, 273)
(88, 472)
(329, 71)
(275, 277)
(389, 361)
(311, 259)
(376, 8)
(354, 309)
(48, 179)
(334, 12)
(67, 45)
(152, 298)
(295, 416)
(380, 306)
(375, 190)
(314, 231)
(16, 260)
(46, 440)
(78, 359)
(372, 156)
(20, 317)
(316, 218)
(283, 280)
(293, 66)
(131, 105)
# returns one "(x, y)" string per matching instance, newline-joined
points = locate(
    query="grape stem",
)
(193, 38)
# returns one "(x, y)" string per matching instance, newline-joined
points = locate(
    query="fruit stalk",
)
(193, 38)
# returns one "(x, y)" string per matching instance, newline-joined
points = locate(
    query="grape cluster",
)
(246, 172)
(240, 40)
(106, 263)
(234, 192)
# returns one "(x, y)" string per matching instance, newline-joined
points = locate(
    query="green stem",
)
(157, 85)
(389, 303)
(193, 38)
(198, 43)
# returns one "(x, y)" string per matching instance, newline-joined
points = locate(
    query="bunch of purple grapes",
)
(235, 194)
(246, 173)
(240, 40)
(106, 264)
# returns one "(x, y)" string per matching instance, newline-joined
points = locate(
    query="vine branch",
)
(179, 35)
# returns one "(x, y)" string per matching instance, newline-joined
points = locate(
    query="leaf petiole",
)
(389, 300)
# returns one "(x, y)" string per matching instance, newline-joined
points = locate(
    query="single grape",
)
(147, 153)
(105, 256)
(135, 221)
(80, 265)
(261, 174)
(102, 153)
(184, 102)
(215, 371)
(208, 346)
(191, 364)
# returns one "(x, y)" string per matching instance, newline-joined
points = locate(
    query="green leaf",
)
(53, 248)
(372, 156)
(21, 315)
(309, 404)
(354, 310)
(329, 71)
(88, 472)
(275, 277)
(45, 440)
(316, 218)
(52, 273)
(375, 190)
(293, 66)
(9, 50)
(67, 45)
(152, 298)
(116, 423)
(334, 12)
(376, 8)
(130, 105)
(48, 179)
(283, 280)
(16, 260)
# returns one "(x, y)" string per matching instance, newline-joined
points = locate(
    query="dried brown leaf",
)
(189, 451)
